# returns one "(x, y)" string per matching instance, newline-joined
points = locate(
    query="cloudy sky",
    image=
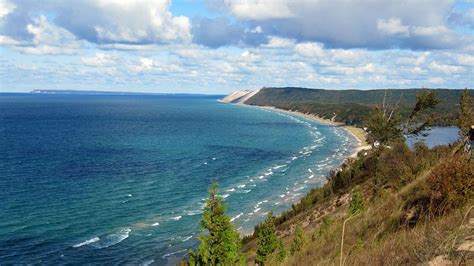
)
(216, 46)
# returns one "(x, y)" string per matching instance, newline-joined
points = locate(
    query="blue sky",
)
(216, 46)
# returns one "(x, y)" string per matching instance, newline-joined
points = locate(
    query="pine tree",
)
(221, 244)
(298, 241)
(465, 119)
(267, 239)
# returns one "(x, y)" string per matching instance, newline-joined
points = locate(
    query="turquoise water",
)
(122, 179)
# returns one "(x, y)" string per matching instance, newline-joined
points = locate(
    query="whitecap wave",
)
(87, 242)
(113, 239)
(176, 218)
(155, 224)
(187, 238)
(173, 253)
(236, 217)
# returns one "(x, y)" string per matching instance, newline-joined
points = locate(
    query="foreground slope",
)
(414, 207)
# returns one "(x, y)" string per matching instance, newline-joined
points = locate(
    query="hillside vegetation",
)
(352, 106)
(394, 205)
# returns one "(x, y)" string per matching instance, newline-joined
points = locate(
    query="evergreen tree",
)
(267, 239)
(298, 241)
(221, 244)
(465, 118)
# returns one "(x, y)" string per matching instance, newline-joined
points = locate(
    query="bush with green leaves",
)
(298, 241)
(357, 203)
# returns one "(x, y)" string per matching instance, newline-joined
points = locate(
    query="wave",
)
(173, 253)
(187, 238)
(300, 188)
(113, 239)
(241, 186)
(236, 217)
(278, 166)
(230, 190)
(155, 224)
(87, 242)
(193, 212)
(177, 218)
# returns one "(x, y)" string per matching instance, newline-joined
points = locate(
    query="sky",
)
(217, 46)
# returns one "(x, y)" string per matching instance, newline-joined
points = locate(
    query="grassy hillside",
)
(352, 106)
(395, 206)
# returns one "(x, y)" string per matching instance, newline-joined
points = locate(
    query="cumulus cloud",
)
(46, 39)
(102, 21)
(309, 49)
(99, 60)
(392, 26)
(277, 42)
(259, 9)
(373, 24)
(444, 68)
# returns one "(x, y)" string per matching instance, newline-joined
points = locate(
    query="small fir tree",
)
(267, 239)
(221, 244)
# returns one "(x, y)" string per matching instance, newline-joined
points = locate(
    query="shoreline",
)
(358, 133)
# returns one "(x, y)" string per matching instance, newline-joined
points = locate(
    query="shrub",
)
(450, 184)
(298, 241)
(357, 203)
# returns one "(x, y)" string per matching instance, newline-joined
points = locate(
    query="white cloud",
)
(47, 39)
(413, 24)
(259, 9)
(413, 60)
(446, 69)
(99, 60)
(5, 8)
(309, 49)
(392, 26)
(140, 21)
(465, 59)
(277, 42)
(5, 40)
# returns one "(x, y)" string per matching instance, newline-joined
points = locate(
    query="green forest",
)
(351, 107)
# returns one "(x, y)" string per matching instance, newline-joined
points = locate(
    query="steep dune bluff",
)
(240, 96)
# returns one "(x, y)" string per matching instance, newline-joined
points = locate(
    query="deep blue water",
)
(121, 179)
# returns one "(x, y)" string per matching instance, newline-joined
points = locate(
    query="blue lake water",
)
(436, 136)
(121, 179)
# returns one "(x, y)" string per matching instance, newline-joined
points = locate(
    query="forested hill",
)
(351, 106)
